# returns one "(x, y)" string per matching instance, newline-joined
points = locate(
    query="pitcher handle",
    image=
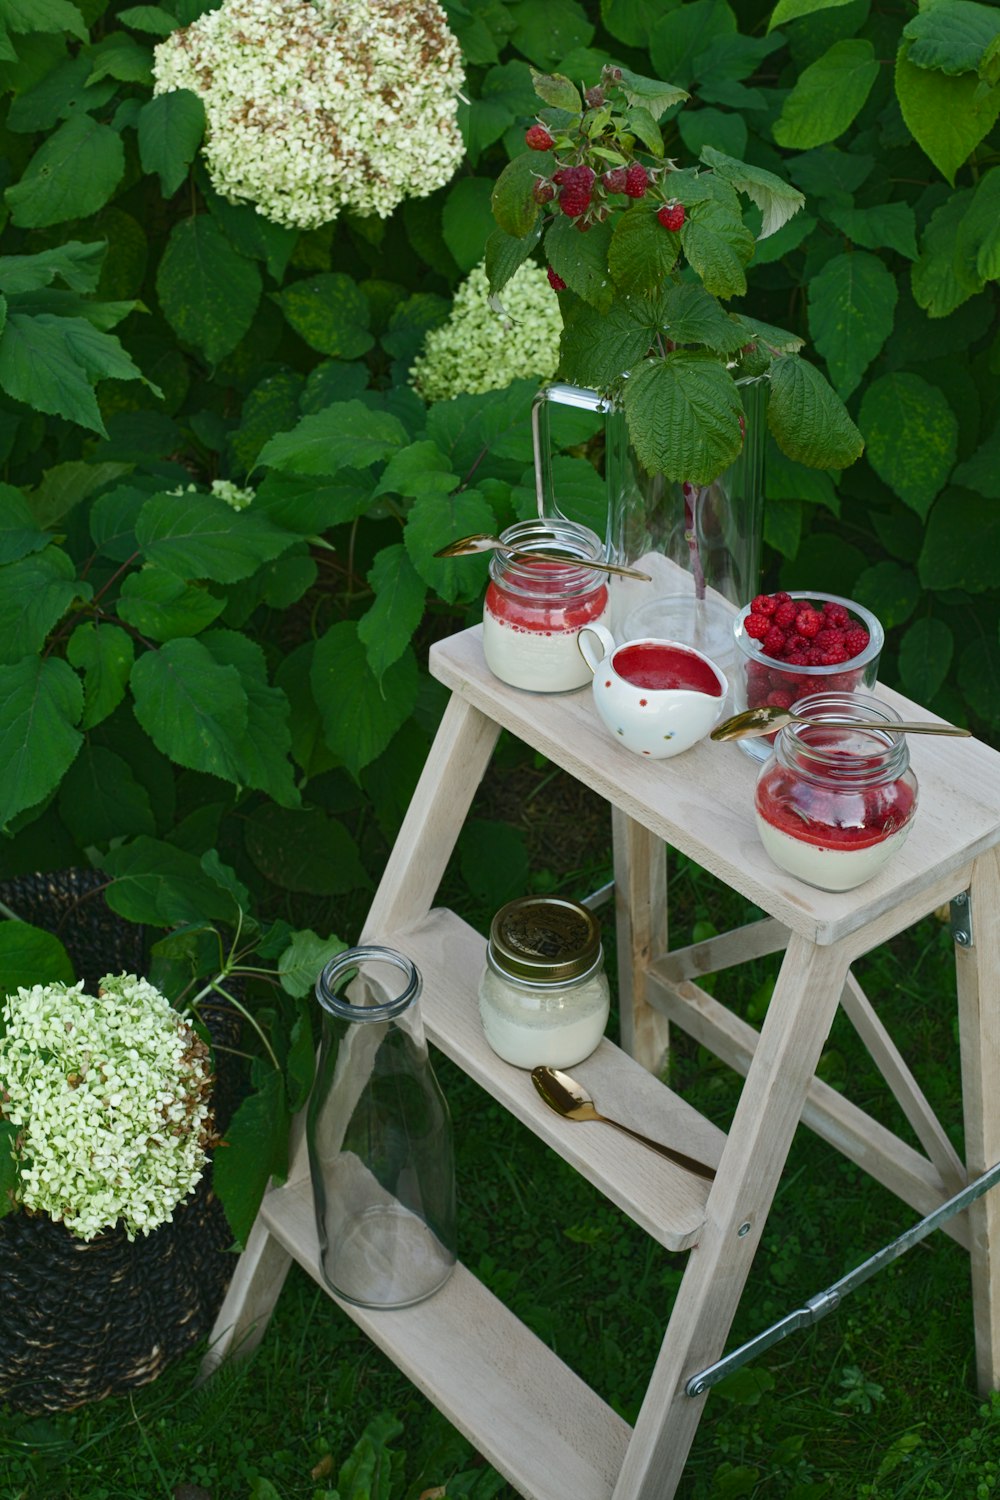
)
(586, 650)
(577, 396)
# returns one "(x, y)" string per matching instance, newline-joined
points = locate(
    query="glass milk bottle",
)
(379, 1137)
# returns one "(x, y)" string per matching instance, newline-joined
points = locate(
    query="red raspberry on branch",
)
(538, 139)
(614, 180)
(542, 191)
(672, 216)
(555, 280)
(636, 180)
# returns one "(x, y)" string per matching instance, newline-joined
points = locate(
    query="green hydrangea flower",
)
(479, 349)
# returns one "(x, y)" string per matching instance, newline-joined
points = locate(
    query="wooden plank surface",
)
(702, 801)
(525, 1410)
(667, 1201)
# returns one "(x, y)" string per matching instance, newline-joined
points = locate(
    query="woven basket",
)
(84, 1319)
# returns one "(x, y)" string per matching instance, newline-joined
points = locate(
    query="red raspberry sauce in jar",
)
(534, 610)
(814, 815)
(662, 668)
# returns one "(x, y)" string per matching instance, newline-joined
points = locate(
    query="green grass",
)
(875, 1402)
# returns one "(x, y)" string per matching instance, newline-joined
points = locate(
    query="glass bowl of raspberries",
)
(792, 645)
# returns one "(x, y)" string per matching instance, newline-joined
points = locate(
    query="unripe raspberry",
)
(672, 216)
(636, 180)
(538, 139)
(543, 191)
(594, 97)
(756, 626)
(555, 280)
(614, 180)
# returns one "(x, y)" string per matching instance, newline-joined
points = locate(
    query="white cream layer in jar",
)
(827, 868)
(543, 661)
(533, 1025)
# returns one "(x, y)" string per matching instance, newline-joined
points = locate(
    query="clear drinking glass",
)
(379, 1137)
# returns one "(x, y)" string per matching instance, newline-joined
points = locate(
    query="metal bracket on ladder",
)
(961, 920)
(824, 1302)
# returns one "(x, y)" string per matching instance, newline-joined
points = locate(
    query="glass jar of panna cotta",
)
(543, 995)
(834, 803)
(535, 606)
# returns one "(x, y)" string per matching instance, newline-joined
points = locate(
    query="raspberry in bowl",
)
(792, 645)
(834, 803)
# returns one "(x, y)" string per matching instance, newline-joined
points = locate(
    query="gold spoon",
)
(767, 719)
(480, 541)
(570, 1099)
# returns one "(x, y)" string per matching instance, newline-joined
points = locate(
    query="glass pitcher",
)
(701, 543)
(379, 1137)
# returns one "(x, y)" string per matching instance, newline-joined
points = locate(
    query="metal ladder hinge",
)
(961, 919)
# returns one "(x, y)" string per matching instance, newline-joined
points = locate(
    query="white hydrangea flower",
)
(479, 349)
(110, 1094)
(222, 489)
(315, 107)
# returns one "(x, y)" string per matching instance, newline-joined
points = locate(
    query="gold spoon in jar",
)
(767, 719)
(480, 541)
(569, 1099)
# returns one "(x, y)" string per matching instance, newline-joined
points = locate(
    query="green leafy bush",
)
(225, 709)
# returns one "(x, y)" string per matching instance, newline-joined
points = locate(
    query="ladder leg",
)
(248, 1304)
(798, 1021)
(640, 867)
(452, 772)
(978, 973)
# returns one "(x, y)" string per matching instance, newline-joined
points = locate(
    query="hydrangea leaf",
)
(256, 1150)
(30, 955)
(305, 957)
(940, 281)
(347, 434)
(979, 678)
(388, 626)
(911, 435)
(272, 406)
(104, 653)
(312, 506)
(545, 34)
(642, 253)
(208, 293)
(38, 368)
(806, 419)
(981, 472)
(828, 95)
(200, 536)
(120, 56)
(360, 714)
(76, 264)
(947, 115)
(683, 34)
(514, 206)
(794, 10)
(252, 235)
(951, 36)
(193, 709)
(977, 251)
(890, 590)
(852, 302)
(777, 200)
(170, 130)
(150, 18)
(961, 544)
(35, 593)
(467, 220)
(434, 520)
(683, 416)
(161, 885)
(925, 655)
(71, 175)
(100, 800)
(25, 16)
(43, 700)
(497, 421)
(160, 605)
(20, 533)
(418, 469)
(309, 749)
(411, 320)
(889, 225)
(582, 260)
(303, 849)
(264, 748)
(330, 313)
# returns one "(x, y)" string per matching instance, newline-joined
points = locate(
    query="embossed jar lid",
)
(545, 940)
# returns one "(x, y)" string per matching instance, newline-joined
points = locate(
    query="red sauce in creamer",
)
(664, 668)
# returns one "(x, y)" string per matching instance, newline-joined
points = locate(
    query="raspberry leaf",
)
(940, 281)
(514, 207)
(692, 316)
(557, 91)
(925, 654)
(718, 245)
(683, 416)
(828, 95)
(641, 256)
(582, 260)
(650, 93)
(852, 303)
(947, 115)
(912, 436)
(506, 253)
(951, 37)
(807, 420)
(777, 200)
(641, 123)
(597, 348)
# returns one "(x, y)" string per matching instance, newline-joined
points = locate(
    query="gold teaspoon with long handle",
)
(767, 720)
(569, 1099)
(481, 541)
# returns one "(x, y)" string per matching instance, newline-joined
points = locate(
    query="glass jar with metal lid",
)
(543, 996)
